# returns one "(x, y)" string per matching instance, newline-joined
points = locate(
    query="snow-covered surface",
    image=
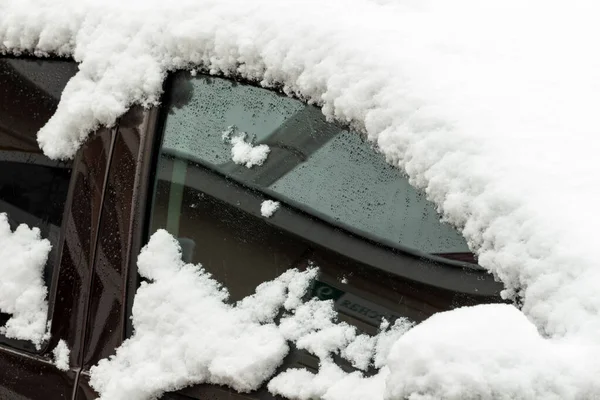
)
(185, 333)
(488, 106)
(268, 208)
(22, 288)
(61, 355)
(484, 352)
(489, 352)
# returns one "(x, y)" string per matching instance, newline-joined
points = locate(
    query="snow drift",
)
(199, 338)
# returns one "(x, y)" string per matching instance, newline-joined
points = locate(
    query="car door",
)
(172, 168)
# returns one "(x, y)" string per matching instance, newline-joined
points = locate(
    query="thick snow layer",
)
(449, 357)
(489, 106)
(483, 352)
(268, 208)
(185, 333)
(22, 288)
(495, 353)
(61, 355)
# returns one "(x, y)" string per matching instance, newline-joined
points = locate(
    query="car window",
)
(329, 171)
(315, 166)
(315, 169)
(323, 171)
(33, 188)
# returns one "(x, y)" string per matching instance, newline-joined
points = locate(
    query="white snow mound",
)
(489, 352)
(185, 333)
(22, 289)
(268, 208)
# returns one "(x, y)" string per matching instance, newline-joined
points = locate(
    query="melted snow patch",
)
(268, 208)
(22, 289)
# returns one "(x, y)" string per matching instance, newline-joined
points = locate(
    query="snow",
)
(446, 358)
(487, 106)
(513, 361)
(22, 288)
(331, 382)
(268, 208)
(61, 355)
(200, 338)
(197, 338)
(245, 153)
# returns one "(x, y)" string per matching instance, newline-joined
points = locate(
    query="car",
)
(171, 167)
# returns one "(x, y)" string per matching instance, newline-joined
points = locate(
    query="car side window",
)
(33, 188)
(320, 170)
(326, 170)
(323, 177)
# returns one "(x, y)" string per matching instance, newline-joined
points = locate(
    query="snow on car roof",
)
(488, 106)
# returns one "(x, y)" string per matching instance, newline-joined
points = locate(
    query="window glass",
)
(210, 205)
(33, 188)
(328, 171)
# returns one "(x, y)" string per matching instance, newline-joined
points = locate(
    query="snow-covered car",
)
(249, 181)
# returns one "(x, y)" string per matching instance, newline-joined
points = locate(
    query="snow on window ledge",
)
(61, 355)
(22, 289)
(268, 208)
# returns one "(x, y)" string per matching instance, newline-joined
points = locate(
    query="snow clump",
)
(243, 152)
(22, 289)
(450, 357)
(268, 208)
(185, 333)
(61, 355)
(199, 338)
